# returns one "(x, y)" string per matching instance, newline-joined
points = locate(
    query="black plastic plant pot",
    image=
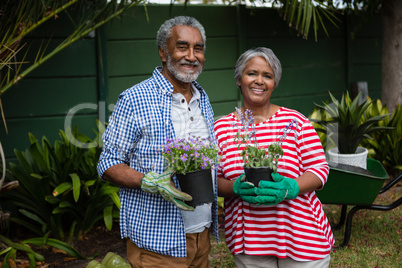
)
(256, 174)
(198, 184)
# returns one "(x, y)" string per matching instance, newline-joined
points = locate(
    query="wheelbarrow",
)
(348, 185)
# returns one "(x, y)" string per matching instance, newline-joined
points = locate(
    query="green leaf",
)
(62, 188)
(59, 210)
(90, 183)
(22, 247)
(32, 260)
(108, 217)
(32, 216)
(76, 186)
(52, 199)
(10, 255)
(54, 157)
(5, 250)
(57, 244)
(65, 204)
(23, 161)
(32, 138)
(27, 225)
(37, 176)
(38, 157)
(105, 190)
(116, 199)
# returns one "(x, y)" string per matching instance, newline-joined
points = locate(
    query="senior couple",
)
(282, 223)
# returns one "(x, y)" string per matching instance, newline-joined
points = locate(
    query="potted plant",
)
(192, 159)
(346, 123)
(259, 162)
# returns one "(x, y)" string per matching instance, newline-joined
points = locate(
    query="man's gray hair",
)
(263, 52)
(165, 31)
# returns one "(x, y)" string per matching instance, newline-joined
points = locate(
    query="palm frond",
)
(23, 16)
(304, 14)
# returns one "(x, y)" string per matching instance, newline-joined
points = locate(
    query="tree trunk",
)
(392, 53)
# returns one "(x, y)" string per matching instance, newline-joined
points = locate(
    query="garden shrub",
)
(59, 189)
(385, 146)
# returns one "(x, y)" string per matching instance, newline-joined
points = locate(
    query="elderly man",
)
(161, 230)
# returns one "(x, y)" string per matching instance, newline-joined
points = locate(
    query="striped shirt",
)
(296, 228)
(139, 126)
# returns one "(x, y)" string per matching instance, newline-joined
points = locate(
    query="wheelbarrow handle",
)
(391, 183)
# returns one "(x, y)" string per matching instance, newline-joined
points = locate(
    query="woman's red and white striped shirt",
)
(296, 228)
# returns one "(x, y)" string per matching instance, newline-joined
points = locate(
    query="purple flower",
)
(291, 127)
(184, 157)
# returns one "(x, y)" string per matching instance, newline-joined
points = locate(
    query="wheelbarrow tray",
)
(347, 187)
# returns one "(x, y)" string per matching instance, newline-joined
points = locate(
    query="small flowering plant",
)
(191, 154)
(253, 154)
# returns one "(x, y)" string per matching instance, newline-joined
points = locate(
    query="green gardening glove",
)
(245, 190)
(162, 183)
(271, 193)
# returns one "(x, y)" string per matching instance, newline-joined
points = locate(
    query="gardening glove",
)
(245, 190)
(271, 193)
(112, 260)
(162, 183)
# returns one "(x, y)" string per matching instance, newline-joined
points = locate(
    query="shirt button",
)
(189, 108)
(182, 100)
(191, 118)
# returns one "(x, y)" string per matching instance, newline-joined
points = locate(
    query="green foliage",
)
(348, 123)
(255, 156)
(19, 18)
(10, 252)
(304, 13)
(315, 116)
(386, 146)
(60, 190)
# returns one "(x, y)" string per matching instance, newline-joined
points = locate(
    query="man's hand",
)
(271, 193)
(245, 190)
(162, 183)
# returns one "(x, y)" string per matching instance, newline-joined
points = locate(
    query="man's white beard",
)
(186, 77)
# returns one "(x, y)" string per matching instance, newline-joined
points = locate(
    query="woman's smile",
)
(257, 82)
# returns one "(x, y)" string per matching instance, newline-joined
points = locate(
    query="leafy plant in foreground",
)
(10, 252)
(60, 191)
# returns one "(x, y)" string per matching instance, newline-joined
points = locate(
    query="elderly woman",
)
(280, 223)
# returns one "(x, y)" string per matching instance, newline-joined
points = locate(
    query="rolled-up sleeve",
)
(312, 153)
(120, 136)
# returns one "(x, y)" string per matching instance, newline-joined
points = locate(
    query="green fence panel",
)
(72, 81)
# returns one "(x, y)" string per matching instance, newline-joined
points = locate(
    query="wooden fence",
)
(82, 83)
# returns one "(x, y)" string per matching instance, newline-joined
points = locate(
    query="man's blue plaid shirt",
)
(139, 126)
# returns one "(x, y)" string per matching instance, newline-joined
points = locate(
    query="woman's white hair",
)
(262, 52)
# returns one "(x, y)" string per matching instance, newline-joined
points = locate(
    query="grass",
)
(376, 237)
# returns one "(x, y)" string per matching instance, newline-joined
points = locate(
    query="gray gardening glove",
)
(163, 184)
